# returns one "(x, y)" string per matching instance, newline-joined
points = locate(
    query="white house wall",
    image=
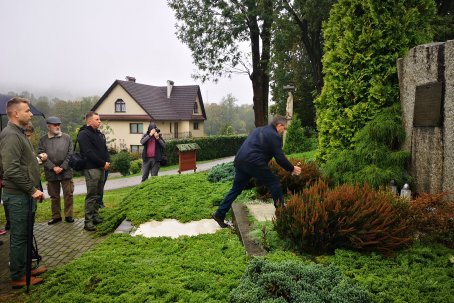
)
(107, 107)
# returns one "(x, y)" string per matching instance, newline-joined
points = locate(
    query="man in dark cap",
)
(58, 146)
(153, 150)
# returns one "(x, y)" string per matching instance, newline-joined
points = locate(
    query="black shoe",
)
(276, 204)
(69, 219)
(219, 220)
(101, 205)
(97, 220)
(7, 225)
(89, 226)
(53, 221)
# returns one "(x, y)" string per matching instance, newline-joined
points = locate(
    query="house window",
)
(196, 125)
(136, 128)
(136, 148)
(120, 106)
(196, 108)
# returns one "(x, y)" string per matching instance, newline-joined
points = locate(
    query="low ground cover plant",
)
(188, 197)
(294, 281)
(222, 172)
(123, 269)
(422, 273)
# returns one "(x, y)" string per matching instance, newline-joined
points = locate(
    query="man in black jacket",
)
(251, 161)
(93, 146)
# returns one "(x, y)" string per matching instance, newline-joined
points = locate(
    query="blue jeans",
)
(18, 207)
(243, 173)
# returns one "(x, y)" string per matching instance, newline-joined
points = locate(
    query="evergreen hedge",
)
(213, 147)
(363, 39)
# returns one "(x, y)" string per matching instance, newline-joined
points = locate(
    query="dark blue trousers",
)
(243, 173)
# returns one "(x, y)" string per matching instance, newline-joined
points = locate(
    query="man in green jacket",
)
(20, 172)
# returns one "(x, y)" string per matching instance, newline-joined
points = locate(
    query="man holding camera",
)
(153, 150)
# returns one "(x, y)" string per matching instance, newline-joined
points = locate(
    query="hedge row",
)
(212, 147)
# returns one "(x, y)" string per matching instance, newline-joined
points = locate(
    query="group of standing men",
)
(20, 177)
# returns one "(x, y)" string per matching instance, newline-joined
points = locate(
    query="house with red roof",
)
(127, 107)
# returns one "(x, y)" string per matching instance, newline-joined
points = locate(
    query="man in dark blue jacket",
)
(93, 146)
(251, 161)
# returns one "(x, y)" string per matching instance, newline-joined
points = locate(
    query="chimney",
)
(169, 88)
(130, 79)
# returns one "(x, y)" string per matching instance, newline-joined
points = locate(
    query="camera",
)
(156, 129)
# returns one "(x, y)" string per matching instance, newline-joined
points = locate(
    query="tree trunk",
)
(260, 60)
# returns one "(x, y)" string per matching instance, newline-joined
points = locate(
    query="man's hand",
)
(107, 166)
(43, 156)
(296, 170)
(58, 170)
(38, 195)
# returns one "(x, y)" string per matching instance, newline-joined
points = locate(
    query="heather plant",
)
(292, 183)
(432, 218)
(294, 281)
(319, 220)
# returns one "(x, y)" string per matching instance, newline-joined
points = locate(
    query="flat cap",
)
(53, 120)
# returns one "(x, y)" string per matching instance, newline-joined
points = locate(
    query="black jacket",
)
(260, 147)
(159, 146)
(93, 146)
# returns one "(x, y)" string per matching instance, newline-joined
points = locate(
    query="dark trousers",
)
(243, 173)
(150, 165)
(94, 179)
(18, 207)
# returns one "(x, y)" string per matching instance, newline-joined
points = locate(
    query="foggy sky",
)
(74, 48)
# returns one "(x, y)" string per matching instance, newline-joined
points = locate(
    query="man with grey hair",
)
(58, 147)
(251, 161)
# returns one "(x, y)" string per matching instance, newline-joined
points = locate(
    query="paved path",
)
(60, 243)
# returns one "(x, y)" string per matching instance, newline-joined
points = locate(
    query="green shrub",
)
(321, 219)
(213, 147)
(362, 41)
(295, 139)
(375, 157)
(121, 163)
(136, 166)
(420, 274)
(293, 281)
(223, 172)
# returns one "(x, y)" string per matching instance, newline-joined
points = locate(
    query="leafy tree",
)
(444, 23)
(239, 118)
(363, 40)
(215, 32)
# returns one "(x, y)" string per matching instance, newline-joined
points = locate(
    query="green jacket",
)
(19, 167)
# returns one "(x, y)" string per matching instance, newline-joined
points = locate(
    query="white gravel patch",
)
(174, 229)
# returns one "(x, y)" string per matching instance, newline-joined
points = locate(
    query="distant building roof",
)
(5, 98)
(154, 101)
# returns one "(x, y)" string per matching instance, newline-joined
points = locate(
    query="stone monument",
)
(426, 81)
